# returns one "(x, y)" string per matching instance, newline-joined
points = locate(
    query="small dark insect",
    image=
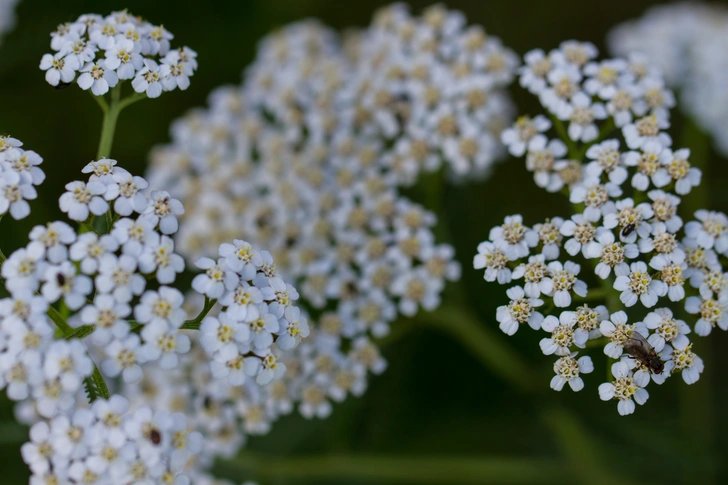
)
(628, 229)
(155, 436)
(640, 349)
(62, 85)
(61, 279)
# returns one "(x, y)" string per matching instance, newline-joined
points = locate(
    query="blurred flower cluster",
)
(7, 16)
(687, 41)
(613, 159)
(307, 159)
(104, 51)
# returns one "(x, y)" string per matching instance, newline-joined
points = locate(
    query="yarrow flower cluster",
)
(19, 175)
(109, 294)
(304, 166)
(625, 229)
(686, 40)
(100, 52)
(109, 443)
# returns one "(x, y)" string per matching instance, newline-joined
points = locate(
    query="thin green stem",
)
(387, 469)
(111, 116)
(194, 324)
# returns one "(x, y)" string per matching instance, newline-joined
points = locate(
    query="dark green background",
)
(435, 399)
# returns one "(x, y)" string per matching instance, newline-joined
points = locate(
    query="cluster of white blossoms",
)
(105, 291)
(687, 41)
(100, 52)
(19, 175)
(299, 164)
(110, 444)
(624, 234)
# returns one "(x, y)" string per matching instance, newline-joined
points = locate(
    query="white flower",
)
(241, 302)
(163, 210)
(124, 59)
(664, 206)
(612, 254)
(672, 274)
(581, 114)
(710, 232)
(562, 334)
(25, 162)
(241, 258)
(415, 287)
(296, 328)
(666, 329)
(519, 310)
(712, 312)
(24, 268)
(62, 280)
(565, 282)
(81, 198)
(159, 255)
(541, 159)
(582, 234)
(161, 307)
(683, 360)
(649, 166)
(632, 221)
(54, 238)
(149, 78)
(215, 280)
(98, 77)
(14, 195)
(495, 262)
(108, 317)
(637, 284)
(624, 389)
(518, 137)
(536, 275)
(679, 169)
(59, 68)
(646, 130)
(118, 277)
(606, 159)
(513, 237)
(123, 359)
(619, 331)
(131, 193)
(220, 332)
(89, 249)
(568, 369)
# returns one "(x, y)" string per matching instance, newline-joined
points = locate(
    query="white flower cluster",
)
(687, 41)
(109, 295)
(277, 161)
(19, 175)
(636, 246)
(257, 310)
(107, 50)
(110, 444)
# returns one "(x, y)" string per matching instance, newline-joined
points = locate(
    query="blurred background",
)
(420, 410)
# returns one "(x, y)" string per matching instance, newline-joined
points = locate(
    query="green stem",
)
(482, 342)
(339, 468)
(194, 324)
(111, 115)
